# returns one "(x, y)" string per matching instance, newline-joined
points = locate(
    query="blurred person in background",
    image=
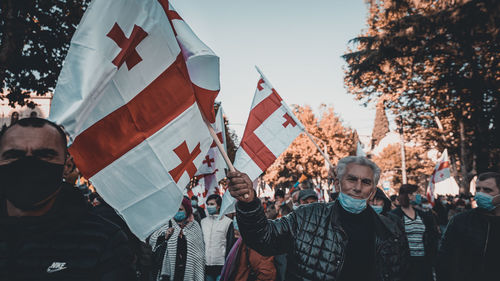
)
(421, 231)
(470, 246)
(246, 264)
(198, 212)
(216, 235)
(180, 247)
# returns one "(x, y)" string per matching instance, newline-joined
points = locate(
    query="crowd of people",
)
(51, 231)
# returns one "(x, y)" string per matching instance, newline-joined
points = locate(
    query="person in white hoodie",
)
(215, 236)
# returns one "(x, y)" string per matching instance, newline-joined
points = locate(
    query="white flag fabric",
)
(214, 163)
(129, 95)
(270, 129)
(441, 173)
(359, 150)
(198, 191)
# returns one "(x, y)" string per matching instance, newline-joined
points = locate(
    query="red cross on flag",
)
(441, 172)
(270, 129)
(213, 163)
(130, 95)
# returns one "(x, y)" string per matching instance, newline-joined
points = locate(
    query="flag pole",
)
(293, 116)
(319, 149)
(219, 145)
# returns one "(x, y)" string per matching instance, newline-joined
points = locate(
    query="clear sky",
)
(297, 44)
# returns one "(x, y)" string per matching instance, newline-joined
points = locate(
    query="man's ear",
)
(69, 166)
(336, 183)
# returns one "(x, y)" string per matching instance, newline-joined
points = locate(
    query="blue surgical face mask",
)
(295, 207)
(212, 210)
(484, 201)
(377, 209)
(180, 216)
(194, 203)
(350, 204)
(418, 200)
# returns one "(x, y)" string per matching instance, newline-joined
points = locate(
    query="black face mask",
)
(28, 181)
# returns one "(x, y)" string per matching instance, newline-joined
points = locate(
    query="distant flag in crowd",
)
(441, 172)
(359, 150)
(319, 193)
(198, 191)
(299, 181)
(213, 164)
(130, 95)
(270, 129)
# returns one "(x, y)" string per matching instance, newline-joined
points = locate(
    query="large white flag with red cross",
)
(441, 172)
(270, 129)
(130, 95)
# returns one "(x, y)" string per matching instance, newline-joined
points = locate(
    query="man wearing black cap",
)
(47, 229)
(307, 196)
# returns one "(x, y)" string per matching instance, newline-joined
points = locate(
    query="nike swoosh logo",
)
(52, 270)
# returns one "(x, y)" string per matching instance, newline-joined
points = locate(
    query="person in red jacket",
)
(244, 263)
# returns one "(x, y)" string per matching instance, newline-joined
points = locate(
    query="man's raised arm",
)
(267, 237)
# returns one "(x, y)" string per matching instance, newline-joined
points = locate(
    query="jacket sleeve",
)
(268, 237)
(447, 259)
(116, 263)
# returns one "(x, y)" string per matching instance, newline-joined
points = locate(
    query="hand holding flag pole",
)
(221, 148)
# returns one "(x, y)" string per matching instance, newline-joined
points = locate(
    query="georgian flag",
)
(131, 95)
(270, 129)
(441, 172)
(213, 163)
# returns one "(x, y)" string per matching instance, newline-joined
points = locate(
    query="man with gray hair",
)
(343, 240)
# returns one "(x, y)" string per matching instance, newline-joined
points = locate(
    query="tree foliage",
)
(302, 157)
(418, 166)
(34, 40)
(431, 59)
(381, 126)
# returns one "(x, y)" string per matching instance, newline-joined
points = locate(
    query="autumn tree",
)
(418, 166)
(381, 125)
(435, 61)
(302, 157)
(34, 40)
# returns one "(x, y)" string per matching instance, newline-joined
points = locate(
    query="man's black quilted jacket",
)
(315, 241)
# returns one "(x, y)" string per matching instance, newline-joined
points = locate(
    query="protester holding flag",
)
(470, 246)
(422, 233)
(48, 231)
(344, 240)
(184, 250)
(215, 234)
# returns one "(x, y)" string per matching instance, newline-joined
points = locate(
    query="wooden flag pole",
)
(320, 151)
(219, 145)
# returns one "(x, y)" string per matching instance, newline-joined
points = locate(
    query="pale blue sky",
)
(297, 44)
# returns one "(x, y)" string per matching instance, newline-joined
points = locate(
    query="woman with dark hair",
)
(421, 231)
(180, 247)
(380, 203)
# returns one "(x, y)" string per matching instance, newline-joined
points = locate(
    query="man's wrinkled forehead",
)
(24, 138)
